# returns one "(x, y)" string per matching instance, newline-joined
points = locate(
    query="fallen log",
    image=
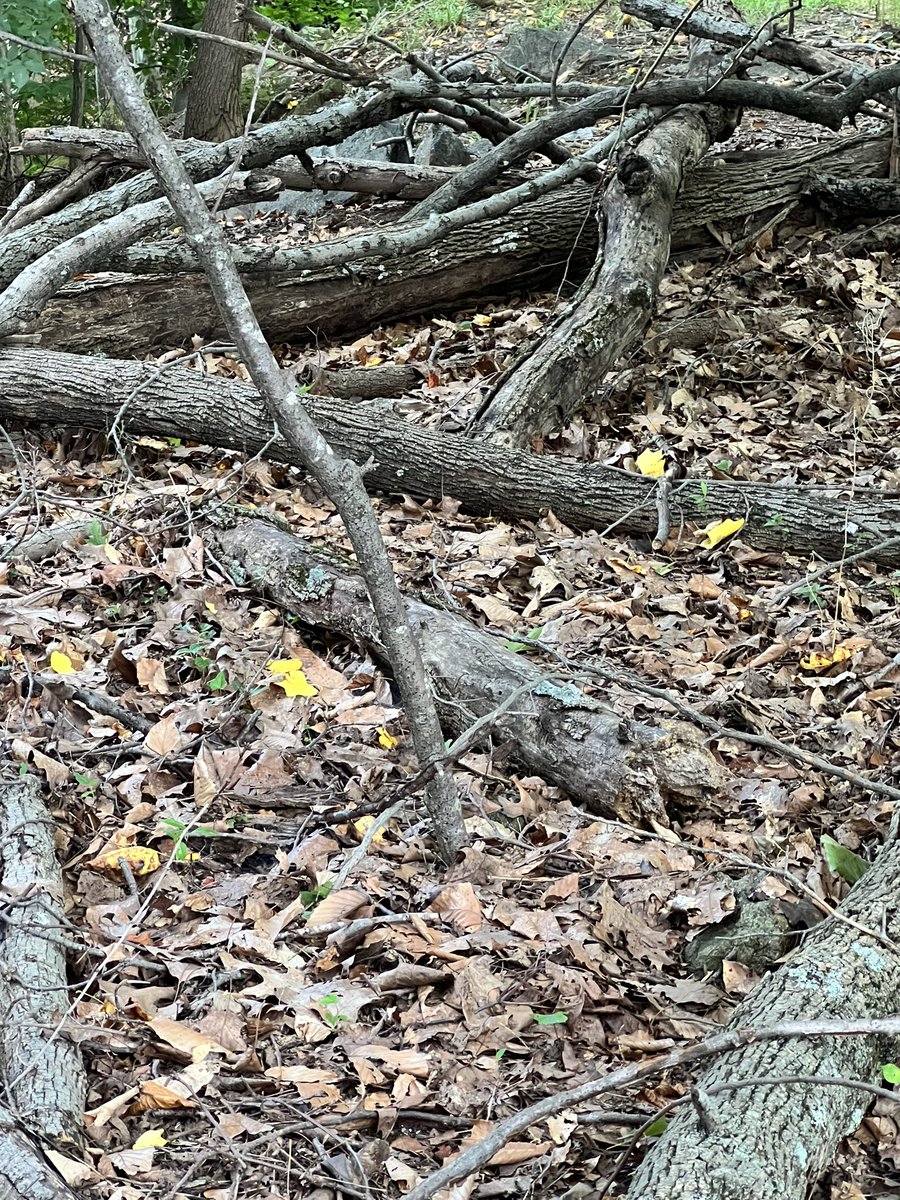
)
(535, 245)
(773, 1140)
(568, 362)
(39, 387)
(614, 767)
(43, 1071)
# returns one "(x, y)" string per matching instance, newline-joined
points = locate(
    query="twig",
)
(54, 51)
(784, 593)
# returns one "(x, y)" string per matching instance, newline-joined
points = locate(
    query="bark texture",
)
(42, 1068)
(538, 243)
(213, 111)
(569, 362)
(38, 387)
(615, 767)
(773, 1140)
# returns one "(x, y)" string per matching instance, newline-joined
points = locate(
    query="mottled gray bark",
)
(772, 1142)
(41, 1067)
(616, 767)
(37, 386)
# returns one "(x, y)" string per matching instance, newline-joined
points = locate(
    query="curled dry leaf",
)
(187, 1041)
(338, 906)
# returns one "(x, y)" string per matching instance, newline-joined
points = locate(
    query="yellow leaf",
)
(744, 614)
(150, 1140)
(652, 463)
(482, 319)
(374, 361)
(295, 683)
(291, 104)
(718, 531)
(209, 607)
(819, 662)
(282, 666)
(61, 663)
(111, 553)
(141, 859)
(363, 824)
(387, 740)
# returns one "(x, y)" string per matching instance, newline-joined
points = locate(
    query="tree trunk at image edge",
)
(214, 93)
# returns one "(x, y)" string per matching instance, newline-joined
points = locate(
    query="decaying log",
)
(39, 387)
(568, 362)
(534, 245)
(615, 767)
(41, 1066)
(773, 1141)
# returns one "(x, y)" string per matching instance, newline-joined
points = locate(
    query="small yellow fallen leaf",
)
(819, 662)
(281, 666)
(652, 463)
(111, 553)
(149, 1140)
(482, 319)
(385, 739)
(209, 606)
(295, 683)
(293, 679)
(362, 826)
(141, 859)
(718, 531)
(374, 361)
(61, 663)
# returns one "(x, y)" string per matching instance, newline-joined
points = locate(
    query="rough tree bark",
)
(619, 768)
(534, 245)
(771, 1141)
(213, 112)
(613, 305)
(45, 1078)
(38, 387)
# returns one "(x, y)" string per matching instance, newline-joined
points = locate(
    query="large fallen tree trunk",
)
(536, 244)
(773, 1140)
(38, 387)
(569, 361)
(615, 767)
(42, 1068)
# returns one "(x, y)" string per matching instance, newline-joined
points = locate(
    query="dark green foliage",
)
(335, 13)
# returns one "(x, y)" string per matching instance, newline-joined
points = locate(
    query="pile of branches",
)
(609, 212)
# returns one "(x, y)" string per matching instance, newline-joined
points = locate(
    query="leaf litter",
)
(228, 990)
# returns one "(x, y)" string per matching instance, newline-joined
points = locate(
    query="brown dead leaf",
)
(337, 906)
(184, 1039)
(460, 906)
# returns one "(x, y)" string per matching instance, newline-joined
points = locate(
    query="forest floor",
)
(560, 941)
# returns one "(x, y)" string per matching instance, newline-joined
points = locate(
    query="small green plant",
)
(498, 1054)
(179, 833)
(724, 466)
(554, 1018)
(112, 612)
(659, 1126)
(775, 521)
(845, 863)
(890, 1072)
(330, 1014)
(87, 785)
(197, 653)
(96, 536)
(701, 498)
(812, 593)
(443, 16)
(520, 646)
